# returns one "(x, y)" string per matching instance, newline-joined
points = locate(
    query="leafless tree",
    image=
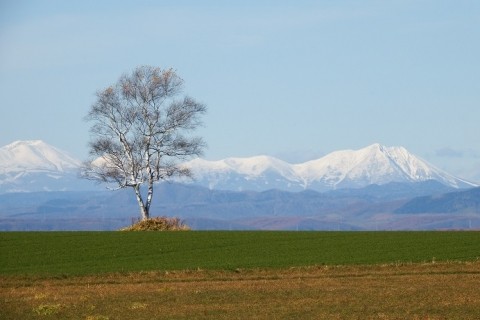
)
(142, 130)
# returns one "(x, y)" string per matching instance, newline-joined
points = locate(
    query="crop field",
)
(240, 275)
(83, 253)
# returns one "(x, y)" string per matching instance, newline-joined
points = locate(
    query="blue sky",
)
(293, 79)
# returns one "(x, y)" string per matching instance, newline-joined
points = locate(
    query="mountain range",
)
(346, 169)
(376, 187)
(37, 166)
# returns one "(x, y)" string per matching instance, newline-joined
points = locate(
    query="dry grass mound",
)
(158, 224)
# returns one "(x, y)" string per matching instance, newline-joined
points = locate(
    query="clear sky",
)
(294, 80)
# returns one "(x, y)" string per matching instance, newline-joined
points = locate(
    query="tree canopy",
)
(141, 131)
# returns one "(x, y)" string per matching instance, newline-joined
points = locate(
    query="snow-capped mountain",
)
(375, 164)
(34, 165)
(35, 155)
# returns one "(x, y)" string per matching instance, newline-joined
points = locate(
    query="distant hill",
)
(465, 201)
(370, 208)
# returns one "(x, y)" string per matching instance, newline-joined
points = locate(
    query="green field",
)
(83, 253)
(239, 275)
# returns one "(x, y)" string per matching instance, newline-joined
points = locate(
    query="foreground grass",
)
(239, 275)
(84, 253)
(389, 291)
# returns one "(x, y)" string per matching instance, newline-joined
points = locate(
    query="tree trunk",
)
(144, 210)
(149, 197)
(151, 179)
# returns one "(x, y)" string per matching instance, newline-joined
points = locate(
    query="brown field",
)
(395, 291)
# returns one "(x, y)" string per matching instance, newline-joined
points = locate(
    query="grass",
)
(239, 275)
(389, 291)
(84, 253)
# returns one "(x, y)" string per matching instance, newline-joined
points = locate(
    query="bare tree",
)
(141, 131)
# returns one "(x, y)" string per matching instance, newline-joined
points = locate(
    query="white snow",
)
(249, 167)
(34, 155)
(374, 164)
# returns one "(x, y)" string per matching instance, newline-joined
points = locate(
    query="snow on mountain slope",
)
(375, 164)
(251, 167)
(34, 155)
(34, 165)
(233, 173)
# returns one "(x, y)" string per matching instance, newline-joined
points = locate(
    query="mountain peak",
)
(20, 143)
(31, 155)
(376, 146)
